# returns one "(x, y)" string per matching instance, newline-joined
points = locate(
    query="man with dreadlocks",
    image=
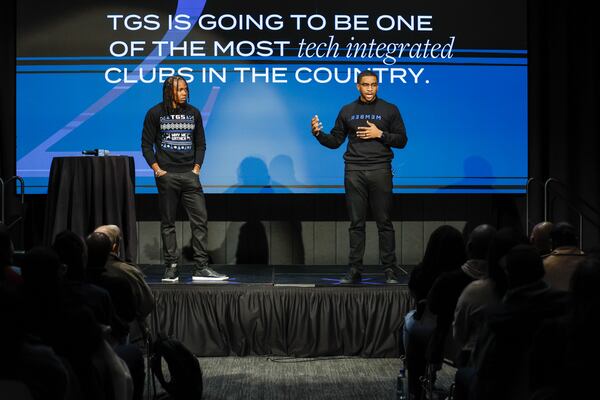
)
(173, 144)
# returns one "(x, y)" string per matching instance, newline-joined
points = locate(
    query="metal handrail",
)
(546, 185)
(569, 203)
(2, 186)
(582, 201)
(527, 204)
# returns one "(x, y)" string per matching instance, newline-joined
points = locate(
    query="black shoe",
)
(352, 276)
(171, 273)
(391, 276)
(205, 273)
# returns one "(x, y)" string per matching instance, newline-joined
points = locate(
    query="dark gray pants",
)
(370, 190)
(174, 187)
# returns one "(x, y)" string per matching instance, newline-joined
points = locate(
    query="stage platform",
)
(291, 310)
(277, 275)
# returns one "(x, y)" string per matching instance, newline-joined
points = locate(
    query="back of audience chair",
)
(451, 355)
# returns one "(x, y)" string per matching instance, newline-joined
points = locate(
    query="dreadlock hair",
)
(168, 98)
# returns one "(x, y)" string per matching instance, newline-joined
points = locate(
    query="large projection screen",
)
(88, 71)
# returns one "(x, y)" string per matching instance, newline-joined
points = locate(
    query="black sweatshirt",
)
(175, 141)
(367, 154)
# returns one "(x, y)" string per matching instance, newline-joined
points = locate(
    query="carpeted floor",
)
(300, 378)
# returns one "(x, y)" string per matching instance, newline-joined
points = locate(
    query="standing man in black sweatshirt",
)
(173, 144)
(373, 126)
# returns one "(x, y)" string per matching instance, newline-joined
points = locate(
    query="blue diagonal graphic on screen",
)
(38, 160)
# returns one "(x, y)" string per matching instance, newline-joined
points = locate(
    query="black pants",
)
(174, 187)
(370, 190)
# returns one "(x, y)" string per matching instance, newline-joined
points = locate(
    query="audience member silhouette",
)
(564, 258)
(99, 247)
(502, 365)
(480, 294)
(566, 351)
(118, 268)
(42, 274)
(72, 252)
(540, 237)
(71, 330)
(444, 293)
(25, 358)
(445, 251)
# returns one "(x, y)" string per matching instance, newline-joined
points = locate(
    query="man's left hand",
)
(196, 169)
(368, 132)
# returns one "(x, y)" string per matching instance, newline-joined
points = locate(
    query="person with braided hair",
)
(173, 145)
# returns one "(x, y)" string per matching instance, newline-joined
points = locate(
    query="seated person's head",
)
(564, 235)
(42, 267)
(540, 237)
(445, 250)
(504, 239)
(523, 266)
(479, 241)
(114, 234)
(72, 252)
(99, 246)
(585, 286)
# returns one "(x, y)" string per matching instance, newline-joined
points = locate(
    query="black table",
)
(85, 192)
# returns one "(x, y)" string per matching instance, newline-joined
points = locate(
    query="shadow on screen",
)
(281, 169)
(253, 243)
(475, 170)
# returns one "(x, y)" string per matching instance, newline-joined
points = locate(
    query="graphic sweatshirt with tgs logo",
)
(173, 140)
